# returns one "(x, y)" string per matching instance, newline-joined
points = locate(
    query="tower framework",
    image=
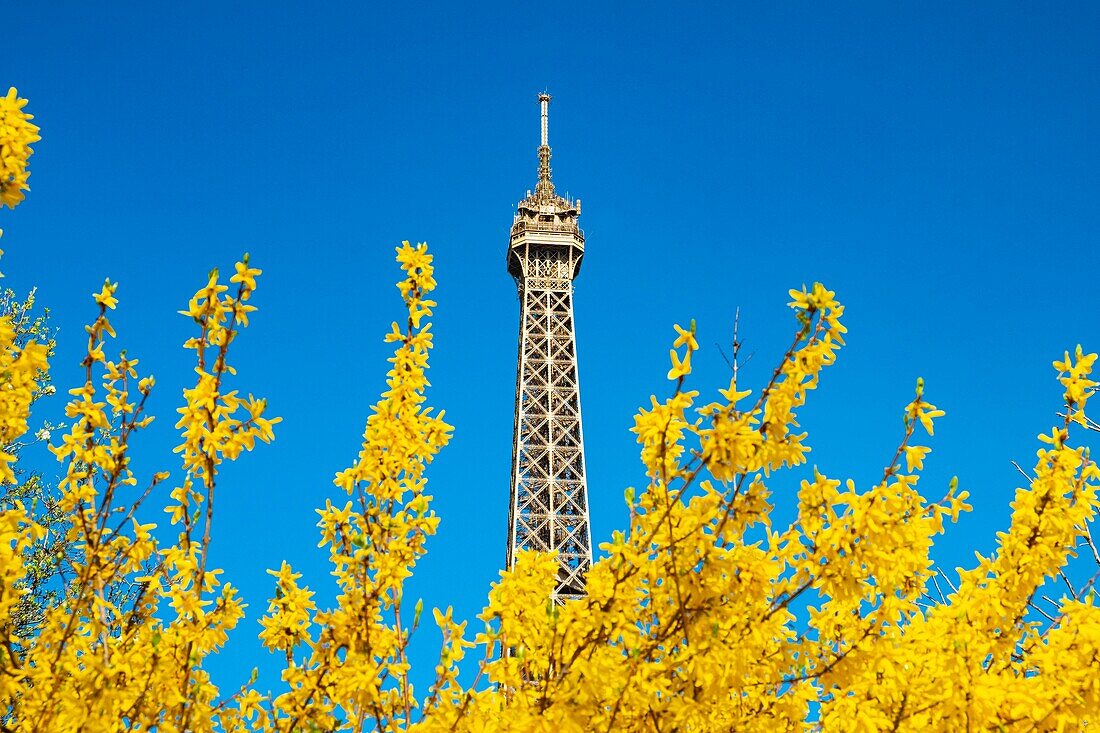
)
(549, 494)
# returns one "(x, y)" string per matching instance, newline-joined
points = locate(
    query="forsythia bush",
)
(701, 615)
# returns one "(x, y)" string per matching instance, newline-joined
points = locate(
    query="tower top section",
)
(544, 221)
(545, 199)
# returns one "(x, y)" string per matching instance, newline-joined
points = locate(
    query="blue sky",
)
(937, 166)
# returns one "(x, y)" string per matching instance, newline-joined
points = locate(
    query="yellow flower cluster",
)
(20, 367)
(99, 663)
(347, 667)
(16, 135)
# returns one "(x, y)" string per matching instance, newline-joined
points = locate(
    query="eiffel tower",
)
(549, 495)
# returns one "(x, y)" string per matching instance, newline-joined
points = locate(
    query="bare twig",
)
(1043, 613)
(1091, 543)
(1072, 590)
(936, 574)
(948, 581)
(734, 362)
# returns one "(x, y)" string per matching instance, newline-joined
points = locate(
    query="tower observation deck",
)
(549, 495)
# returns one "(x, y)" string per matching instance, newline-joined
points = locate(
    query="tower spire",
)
(544, 102)
(544, 191)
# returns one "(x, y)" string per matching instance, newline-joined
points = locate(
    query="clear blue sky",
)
(937, 166)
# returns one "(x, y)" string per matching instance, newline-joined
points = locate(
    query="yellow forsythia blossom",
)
(16, 135)
(20, 368)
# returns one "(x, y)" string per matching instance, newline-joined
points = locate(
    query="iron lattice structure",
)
(549, 495)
